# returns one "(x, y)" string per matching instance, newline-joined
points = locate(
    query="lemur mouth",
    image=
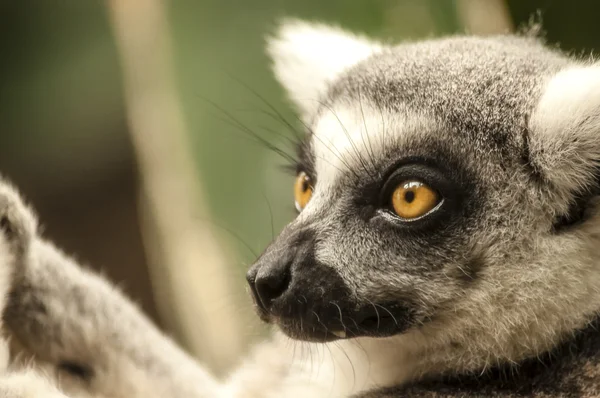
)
(368, 321)
(310, 301)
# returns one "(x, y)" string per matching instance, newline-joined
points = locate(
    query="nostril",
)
(270, 286)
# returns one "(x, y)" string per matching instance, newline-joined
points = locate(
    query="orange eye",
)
(413, 199)
(303, 190)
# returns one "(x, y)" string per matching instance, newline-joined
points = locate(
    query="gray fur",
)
(70, 329)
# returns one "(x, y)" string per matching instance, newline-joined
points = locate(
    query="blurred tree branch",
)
(189, 268)
(484, 17)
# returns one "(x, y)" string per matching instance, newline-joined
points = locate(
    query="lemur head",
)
(446, 191)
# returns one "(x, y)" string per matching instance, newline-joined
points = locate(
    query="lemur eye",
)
(414, 199)
(303, 190)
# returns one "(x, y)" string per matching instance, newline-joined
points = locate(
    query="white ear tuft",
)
(565, 128)
(307, 57)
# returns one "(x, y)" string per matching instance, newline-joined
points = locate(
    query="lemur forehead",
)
(482, 86)
(354, 136)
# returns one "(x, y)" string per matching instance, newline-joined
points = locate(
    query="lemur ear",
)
(307, 57)
(564, 141)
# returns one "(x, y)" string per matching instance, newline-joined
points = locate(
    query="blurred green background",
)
(66, 141)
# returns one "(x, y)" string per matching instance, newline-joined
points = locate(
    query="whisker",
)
(338, 155)
(341, 316)
(268, 104)
(341, 348)
(331, 164)
(270, 216)
(291, 142)
(359, 157)
(368, 148)
(230, 232)
(376, 311)
(388, 311)
(233, 121)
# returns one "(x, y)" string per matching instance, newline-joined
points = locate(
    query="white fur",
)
(28, 384)
(565, 128)
(307, 57)
(296, 369)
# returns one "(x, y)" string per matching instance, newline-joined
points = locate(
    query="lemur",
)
(447, 242)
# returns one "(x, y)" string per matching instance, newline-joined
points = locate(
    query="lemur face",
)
(437, 188)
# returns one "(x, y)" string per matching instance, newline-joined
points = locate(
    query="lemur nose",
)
(269, 281)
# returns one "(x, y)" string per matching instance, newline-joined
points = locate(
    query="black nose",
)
(268, 281)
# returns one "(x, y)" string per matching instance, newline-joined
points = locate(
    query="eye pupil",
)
(305, 185)
(409, 196)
